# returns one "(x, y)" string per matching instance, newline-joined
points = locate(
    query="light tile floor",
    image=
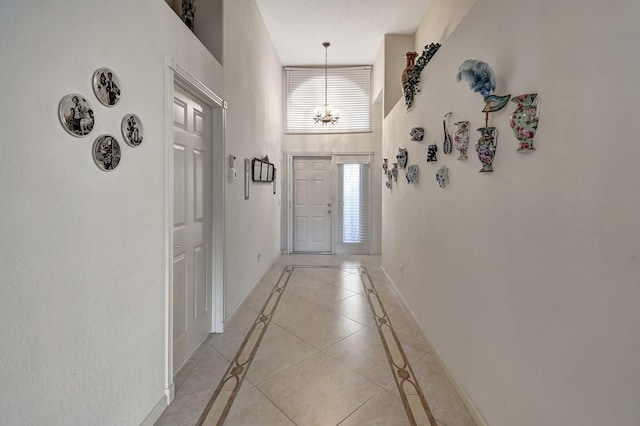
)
(321, 361)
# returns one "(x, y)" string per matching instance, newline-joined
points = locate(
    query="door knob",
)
(175, 246)
(329, 211)
(328, 204)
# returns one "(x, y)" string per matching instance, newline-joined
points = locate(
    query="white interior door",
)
(312, 204)
(192, 236)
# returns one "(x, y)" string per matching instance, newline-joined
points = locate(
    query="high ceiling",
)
(355, 28)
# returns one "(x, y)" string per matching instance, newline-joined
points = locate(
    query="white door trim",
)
(175, 75)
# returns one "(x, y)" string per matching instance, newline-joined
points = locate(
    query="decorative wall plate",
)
(132, 130)
(413, 173)
(107, 86)
(106, 152)
(76, 115)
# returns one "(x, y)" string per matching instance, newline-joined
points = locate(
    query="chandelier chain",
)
(326, 114)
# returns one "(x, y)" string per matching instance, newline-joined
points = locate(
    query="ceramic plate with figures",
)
(106, 152)
(107, 86)
(132, 131)
(76, 115)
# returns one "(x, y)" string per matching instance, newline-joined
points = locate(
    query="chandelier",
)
(326, 114)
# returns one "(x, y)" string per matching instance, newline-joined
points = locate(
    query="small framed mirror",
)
(262, 171)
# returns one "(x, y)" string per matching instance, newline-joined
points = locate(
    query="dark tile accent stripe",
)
(413, 399)
(222, 399)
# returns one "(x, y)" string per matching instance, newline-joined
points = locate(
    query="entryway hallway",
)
(322, 340)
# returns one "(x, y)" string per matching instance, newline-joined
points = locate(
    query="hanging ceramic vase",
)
(413, 173)
(524, 120)
(402, 157)
(442, 176)
(385, 165)
(432, 153)
(410, 58)
(446, 145)
(486, 148)
(389, 178)
(394, 171)
(461, 139)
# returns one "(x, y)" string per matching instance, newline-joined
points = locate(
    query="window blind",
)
(353, 203)
(348, 90)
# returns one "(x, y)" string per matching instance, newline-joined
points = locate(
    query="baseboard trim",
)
(244, 299)
(466, 400)
(157, 411)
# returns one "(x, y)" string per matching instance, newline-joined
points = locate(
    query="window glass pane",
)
(351, 207)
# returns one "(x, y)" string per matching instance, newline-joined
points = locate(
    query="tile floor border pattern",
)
(411, 394)
(413, 399)
(226, 392)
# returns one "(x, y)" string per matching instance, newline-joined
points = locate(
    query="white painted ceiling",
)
(355, 28)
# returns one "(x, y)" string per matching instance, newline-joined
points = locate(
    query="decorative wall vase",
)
(446, 145)
(385, 165)
(417, 133)
(524, 120)
(431, 153)
(412, 85)
(461, 138)
(486, 147)
(410, 58)
(389, 179)
(402, 157)
(413, 173)
(442, 176)
(394, 171)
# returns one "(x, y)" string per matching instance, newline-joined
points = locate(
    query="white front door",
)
(312, 204)
(192, 212)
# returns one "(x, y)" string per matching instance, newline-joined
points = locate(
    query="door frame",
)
(287, 210)
(178, 76)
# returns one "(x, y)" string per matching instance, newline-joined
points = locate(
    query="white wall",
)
(82, 252)
(526, 280)
(253, 87)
